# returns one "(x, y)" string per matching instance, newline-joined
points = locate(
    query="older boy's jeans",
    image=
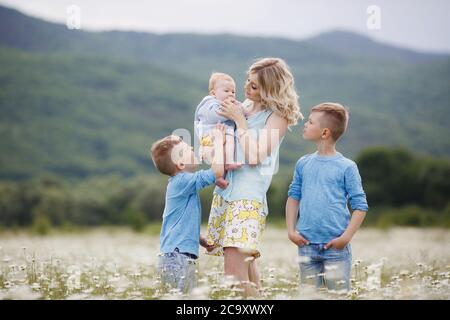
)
(178, 271)
(322, 267)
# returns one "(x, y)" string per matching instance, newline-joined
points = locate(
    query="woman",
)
(238, 213)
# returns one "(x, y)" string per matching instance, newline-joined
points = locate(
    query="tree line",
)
(402, 189)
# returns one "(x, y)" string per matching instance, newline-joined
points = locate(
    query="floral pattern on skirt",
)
(235, 224)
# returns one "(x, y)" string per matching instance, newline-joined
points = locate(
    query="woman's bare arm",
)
(255, 150)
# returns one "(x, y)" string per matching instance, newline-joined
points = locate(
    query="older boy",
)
(317, 217)
(180, 232)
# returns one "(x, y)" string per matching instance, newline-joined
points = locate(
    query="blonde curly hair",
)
(277, 88)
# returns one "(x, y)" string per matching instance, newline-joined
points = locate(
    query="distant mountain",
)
(79, 103)
(353, 43)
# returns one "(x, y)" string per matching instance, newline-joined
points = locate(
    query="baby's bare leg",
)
(229, 149)
(220, 182)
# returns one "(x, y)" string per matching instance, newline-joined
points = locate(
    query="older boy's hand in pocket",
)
(297, 239)
(337, 243)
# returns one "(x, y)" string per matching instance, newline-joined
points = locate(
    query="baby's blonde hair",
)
(277, 88)
(216, 76)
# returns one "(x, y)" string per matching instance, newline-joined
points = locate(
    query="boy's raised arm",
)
(217, 164)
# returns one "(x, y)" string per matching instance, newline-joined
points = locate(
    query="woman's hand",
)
(231, 109)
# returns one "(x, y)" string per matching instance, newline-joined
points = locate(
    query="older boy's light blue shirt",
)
(324, 185)
(182, 212)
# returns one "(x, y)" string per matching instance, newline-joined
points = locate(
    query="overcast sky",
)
(417, 24)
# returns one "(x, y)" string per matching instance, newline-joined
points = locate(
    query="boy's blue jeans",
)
(328, 268)
(178, 271)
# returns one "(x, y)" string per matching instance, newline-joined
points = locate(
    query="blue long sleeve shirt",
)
(324, 185)
(182, 212)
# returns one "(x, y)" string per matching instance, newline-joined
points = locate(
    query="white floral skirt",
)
(236, 224)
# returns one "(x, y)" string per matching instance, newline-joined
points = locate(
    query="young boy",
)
(221, 86)
(317, 217)
(180, 232)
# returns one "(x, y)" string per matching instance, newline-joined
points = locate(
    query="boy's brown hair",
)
(161, 154)
(335, 118)
(216, 76)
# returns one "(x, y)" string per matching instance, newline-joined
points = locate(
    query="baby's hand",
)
(241, 107)
(231, 109)
(237, 103)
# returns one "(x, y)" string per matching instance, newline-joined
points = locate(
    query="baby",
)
(221, 87)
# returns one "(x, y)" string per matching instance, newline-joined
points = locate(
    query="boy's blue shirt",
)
(324, 185)
(182, 212)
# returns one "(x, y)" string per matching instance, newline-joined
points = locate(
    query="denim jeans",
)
(328, 268)
(178, 271)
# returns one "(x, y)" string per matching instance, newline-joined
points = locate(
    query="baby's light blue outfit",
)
(206, 117)
(324, 185)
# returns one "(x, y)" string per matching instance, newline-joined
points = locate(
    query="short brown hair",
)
(216, 76)
(335, 118)
(161, 154)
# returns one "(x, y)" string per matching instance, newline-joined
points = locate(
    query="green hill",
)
(80, 115)
(78, 103)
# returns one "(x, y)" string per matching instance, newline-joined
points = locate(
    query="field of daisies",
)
(400, 263)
